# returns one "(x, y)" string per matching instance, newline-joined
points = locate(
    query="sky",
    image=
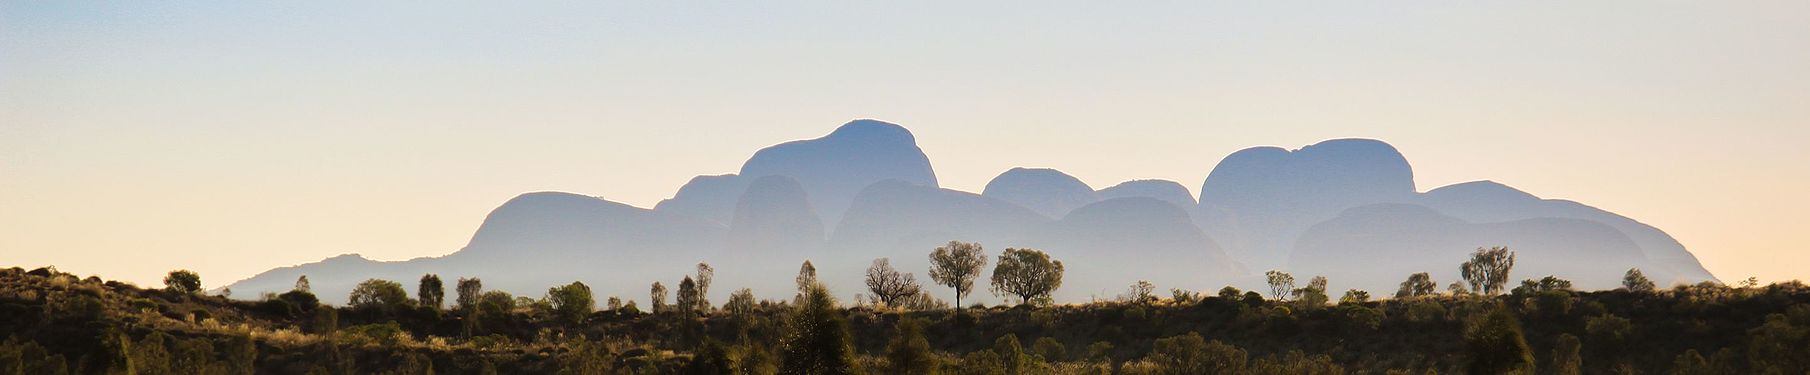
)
(233, 137)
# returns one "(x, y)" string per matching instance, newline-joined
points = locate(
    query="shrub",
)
(1496, 344)
(379, 294)
(1190, 354)
(183, 281)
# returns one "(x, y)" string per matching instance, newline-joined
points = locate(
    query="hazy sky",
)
(232, 137)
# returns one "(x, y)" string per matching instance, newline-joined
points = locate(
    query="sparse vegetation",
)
(55, 323)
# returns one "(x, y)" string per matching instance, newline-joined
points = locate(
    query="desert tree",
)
(657, 297)
(817, 338)
(956, 265)
(1417, 285)
(613, 303)
(183, 281)
(741, 303)
(301, 285)
(1565, 356)
(1027, 274)
(1488, 269)
(378, 294)
(1281, 284)
(888, 285)
(431, 292)
(469, 289)
(705, 275)
(1141, 292)
(687, 297)
(1636, 281)
(807, 276)
(1354, 297)
(571, 302)
(1313, 295)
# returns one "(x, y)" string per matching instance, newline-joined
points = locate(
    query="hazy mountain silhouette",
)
(1347, 209)
(1163, 190)
(1049, 192)
(1259, 200)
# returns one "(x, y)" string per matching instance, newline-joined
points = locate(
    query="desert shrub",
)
(1190, 354)
(386, 334)
(183, 281)
(1496, 344)
(909, 352)
(1426, 311)
(1050, 349)
(380, 295)
(981, 362)
(817, 338)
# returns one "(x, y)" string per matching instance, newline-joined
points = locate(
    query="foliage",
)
(817, 338)
(807, 276)
(379, 294)
(888, 285)
(470, 290)
(1190, 354)
(1281, 284)
(1026, 273)
(909, 352)
(1354, 296)
(741, 303)
(183, 281)
(1566, 359)
(687, 299)
(571, 302)
(1496, 344)
(1418, 285)
(706, 274)
(657, 297)
(1636, 281)
(431, 292)
(956, 265)
(302, 285)
(1488, 269)
(1312, 296)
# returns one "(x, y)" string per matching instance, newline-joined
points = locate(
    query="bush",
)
(379, 294)
(1496, 344)
(1190, 354)
(183, 281)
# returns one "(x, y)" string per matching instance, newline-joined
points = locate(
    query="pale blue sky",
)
(234, 137)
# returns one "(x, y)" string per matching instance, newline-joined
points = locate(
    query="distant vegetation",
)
(56, 323)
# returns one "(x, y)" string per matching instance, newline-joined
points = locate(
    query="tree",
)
(1418, 285)
(1011, 354)
(1190, 354)
(889, 285)
(183, 281)
(1050, 349)
(1281, 284)
(705, 275)
(1354, 297)
(1027, 274)
(687, 301)
(1636, 281)
(469, 291)
(909, 352)
(658, 295)
(956, 265)
(1497, 345)
(807, 276)
(301, 285)
(817, 338)
(1312, 296)
(741, 303)
(379, 294)
(1488, 269)
(431, 292)
(1141, 292)
(571, 302)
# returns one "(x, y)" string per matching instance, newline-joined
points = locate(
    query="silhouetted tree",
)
(1496, 344)
(705, 275)
(379, 294)
(1488, 269)
(1027, 274)
(741, 303)
(1312, 296)
(817, 339)
(889, 285)
(1418, 285)
(658, 297)
(301, 285)
(909, 352)
(469, 289)
(613, 303)
(1141, 292)
(431, 292)
(687, 297)
(807, 276)
(1354, 296)
(571, 302)
(183, 281)
(1230, 292)
(956, 265)
(1636, 281)
(1281, 284)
